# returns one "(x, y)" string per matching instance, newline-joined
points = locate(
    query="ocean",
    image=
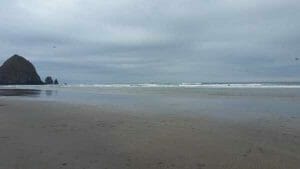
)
(230, 100)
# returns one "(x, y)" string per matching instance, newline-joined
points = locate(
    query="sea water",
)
(222, 100)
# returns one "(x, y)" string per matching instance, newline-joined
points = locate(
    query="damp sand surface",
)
(36, 134)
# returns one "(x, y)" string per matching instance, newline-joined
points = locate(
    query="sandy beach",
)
(48, 135)
(141, 84)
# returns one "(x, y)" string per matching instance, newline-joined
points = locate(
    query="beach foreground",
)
(52, 135)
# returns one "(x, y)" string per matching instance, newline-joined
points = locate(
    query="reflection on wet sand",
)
(20, 92)
(48, 92)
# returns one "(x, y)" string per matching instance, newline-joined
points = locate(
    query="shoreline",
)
(47, 134)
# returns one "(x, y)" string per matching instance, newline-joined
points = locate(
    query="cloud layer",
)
(121, 41)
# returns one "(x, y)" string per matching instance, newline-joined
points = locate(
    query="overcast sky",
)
(136, 41)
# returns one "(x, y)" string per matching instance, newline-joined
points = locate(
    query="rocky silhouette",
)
(18, 70)
(48, 80)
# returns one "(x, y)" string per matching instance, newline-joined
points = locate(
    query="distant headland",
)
(19, 71)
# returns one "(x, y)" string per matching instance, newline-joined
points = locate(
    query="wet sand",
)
(52, 135)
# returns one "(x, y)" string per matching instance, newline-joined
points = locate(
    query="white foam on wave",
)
(153, 85)
(185, 85)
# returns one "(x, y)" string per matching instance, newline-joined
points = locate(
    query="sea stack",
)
(48, 80)
(18, 71)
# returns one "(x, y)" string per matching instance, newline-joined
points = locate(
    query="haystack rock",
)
(18, 70)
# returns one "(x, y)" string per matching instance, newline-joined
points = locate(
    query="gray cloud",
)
(141, 41)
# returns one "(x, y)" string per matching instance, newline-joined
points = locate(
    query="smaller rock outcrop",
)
(48, 80)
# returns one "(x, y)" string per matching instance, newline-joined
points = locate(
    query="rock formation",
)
(48, 80)
(18, 70)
